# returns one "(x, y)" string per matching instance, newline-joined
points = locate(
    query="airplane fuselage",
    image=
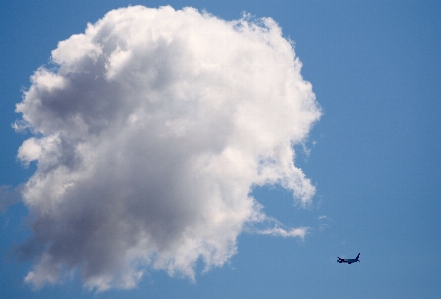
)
(349, 261)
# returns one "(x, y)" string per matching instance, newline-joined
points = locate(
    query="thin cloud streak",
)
(280, 232)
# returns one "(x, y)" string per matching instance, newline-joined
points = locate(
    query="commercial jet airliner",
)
(349, 261)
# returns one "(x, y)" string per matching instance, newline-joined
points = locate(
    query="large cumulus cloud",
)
(150, 131)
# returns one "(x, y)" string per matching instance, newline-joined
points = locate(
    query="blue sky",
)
(374, 154)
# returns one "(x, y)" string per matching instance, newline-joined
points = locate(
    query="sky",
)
(220, 149)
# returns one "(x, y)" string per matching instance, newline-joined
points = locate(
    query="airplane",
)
(349, 261)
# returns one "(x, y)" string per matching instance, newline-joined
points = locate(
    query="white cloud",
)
(278, 231)
(150, 136)
(29, 151)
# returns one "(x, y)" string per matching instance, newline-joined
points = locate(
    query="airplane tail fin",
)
(357, 257)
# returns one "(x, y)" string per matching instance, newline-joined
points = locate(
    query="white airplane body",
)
(349, 261)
